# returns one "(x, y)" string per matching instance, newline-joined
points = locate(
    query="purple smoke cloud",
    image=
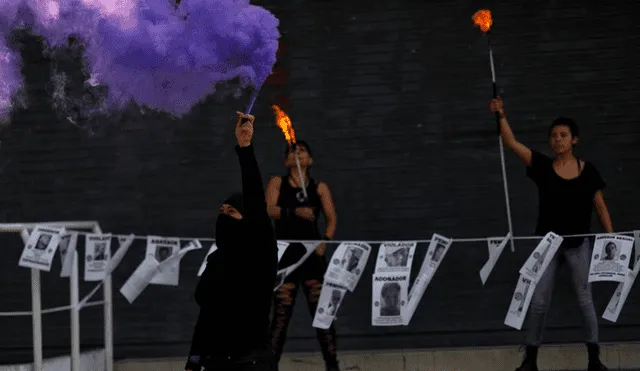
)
(154, 53)
(10, 79)
(172, 58)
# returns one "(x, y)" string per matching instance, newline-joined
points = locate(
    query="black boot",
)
(530, 362)
(332, 366)
(594, 358)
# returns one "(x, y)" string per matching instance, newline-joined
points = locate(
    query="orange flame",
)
(482, 18)
(284, 123)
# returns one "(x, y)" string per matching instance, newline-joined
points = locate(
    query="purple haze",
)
(166, 58)
(10, 78)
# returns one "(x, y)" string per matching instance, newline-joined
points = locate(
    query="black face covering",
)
(229, 232)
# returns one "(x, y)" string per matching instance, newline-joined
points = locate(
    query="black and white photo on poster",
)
(541, 256)
(203, 265)
(97, 253)
(520, 302)
(496, 247)
(161, 249)
(395, 256)
(389, 299)
(67, 249)
(330, 298)
(348, 263)
(149, 268)
(40, 248)
(610, 258)
(124, 242)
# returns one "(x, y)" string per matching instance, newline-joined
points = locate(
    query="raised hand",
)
(244, 129)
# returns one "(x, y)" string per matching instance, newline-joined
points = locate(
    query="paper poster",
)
(213, 248)
(280, 276)
(436, 251)
(496, 246)
(161, 249)
(389, 299)
(348, 263)
(282, 247)
(149, 268)
(67, 249)
(40, 248)
(97, 253)
(636, 237)
(330, 298)
(310, 248)
(610, 258)
(613, 309)
(520, 302)
(418, 288)
(541, 256)
(124, 242)
(395, 257)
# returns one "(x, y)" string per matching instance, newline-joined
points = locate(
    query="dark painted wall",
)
(393, 96)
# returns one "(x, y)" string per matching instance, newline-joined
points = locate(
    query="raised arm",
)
(255, 206)
(509, 139)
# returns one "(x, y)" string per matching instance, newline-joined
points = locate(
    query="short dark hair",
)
(568, 122)
(298, 143)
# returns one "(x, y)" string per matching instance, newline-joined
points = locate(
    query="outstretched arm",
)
(255, 205)
(509, 139)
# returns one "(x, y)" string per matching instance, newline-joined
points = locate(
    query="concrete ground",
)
(556, 357)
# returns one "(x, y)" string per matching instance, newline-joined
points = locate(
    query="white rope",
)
(50, 310)
(474, 239)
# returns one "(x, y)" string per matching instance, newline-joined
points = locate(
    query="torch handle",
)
(252, 99)
(493, 78)
(302, 183)
(495, 95)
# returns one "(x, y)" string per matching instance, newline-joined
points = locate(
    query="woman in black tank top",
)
(296, 218)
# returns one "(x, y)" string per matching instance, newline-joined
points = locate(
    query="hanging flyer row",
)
(395, 297)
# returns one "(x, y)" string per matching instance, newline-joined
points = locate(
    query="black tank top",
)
(292, 197)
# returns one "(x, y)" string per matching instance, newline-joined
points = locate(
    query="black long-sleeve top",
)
(236, 289)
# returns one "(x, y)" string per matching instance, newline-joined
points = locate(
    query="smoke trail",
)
(173, 57)
(10, 78)
(153, 52)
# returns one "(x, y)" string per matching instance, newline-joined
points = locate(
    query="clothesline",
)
(476, 239)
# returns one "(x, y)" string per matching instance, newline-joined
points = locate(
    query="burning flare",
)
(482, 18)
(284, 123)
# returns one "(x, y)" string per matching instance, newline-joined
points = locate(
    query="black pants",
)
(256, 361)
(310, 275)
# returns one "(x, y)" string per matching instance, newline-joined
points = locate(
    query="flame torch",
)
(284, 123)
(482, 18)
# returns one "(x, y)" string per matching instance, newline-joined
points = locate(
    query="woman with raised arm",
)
(296, 218)
(568, 190)
(235, 291)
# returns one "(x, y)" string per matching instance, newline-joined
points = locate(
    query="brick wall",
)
(393, 98)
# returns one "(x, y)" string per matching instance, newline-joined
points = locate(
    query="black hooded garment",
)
(235, 291)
